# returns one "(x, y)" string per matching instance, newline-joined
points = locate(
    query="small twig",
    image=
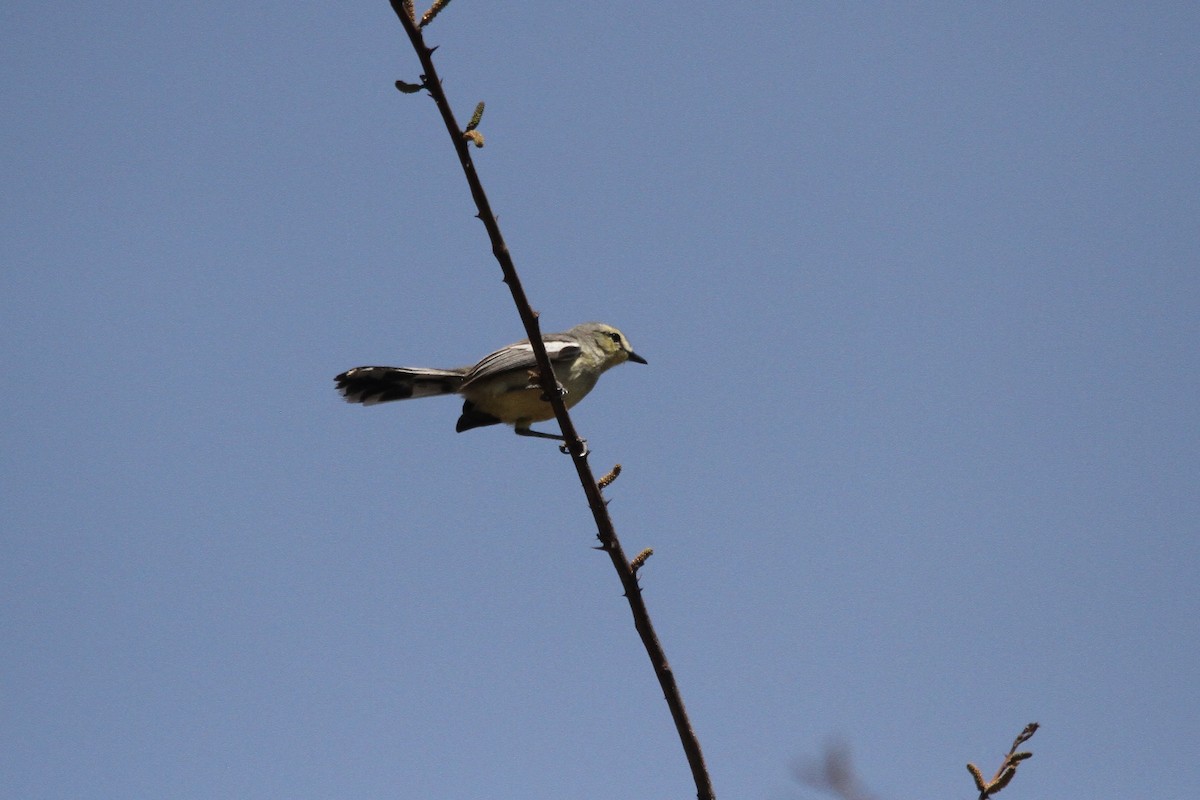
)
(476, 117)
(640, 559)
(469, 133)
(433, 11)
(1007, 769)
(608, 479)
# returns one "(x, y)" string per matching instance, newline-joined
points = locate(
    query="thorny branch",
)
(573, 444)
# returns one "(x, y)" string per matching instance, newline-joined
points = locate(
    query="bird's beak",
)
(636, 358)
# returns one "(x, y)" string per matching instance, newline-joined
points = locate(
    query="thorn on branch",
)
(640, 559)
(433, 11)
(607, 480)
(409, 88)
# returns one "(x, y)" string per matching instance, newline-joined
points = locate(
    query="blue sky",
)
(917, 448)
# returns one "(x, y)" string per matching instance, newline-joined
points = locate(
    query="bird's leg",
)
(539, 434)
(558, 437)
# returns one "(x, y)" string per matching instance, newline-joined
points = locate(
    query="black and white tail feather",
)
(373, 385)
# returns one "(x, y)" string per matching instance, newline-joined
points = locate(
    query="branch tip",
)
(980, 784)
(433, 11)
(640, 559)
(1008, 768)
(1003, 780)
(607, 480)
(1025, 735)
(476, 117)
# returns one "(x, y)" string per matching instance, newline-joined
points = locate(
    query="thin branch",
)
(1008, 768)
(573, 444)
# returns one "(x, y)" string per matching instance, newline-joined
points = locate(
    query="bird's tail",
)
(371, 385)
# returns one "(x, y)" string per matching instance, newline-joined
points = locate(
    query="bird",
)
(503, 387)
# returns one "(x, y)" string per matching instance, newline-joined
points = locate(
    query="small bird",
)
(503, 387)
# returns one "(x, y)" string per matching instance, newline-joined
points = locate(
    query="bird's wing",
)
(519, 356)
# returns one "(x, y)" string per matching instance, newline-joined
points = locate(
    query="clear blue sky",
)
(918, 445)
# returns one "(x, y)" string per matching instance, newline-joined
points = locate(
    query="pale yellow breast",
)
(509, 398)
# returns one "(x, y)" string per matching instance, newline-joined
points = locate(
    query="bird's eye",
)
(616, 337)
